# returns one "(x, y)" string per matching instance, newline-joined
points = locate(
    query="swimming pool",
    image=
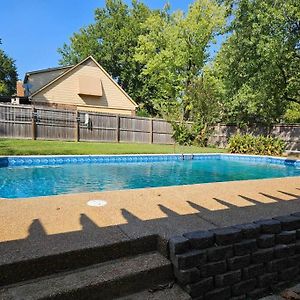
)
(22, 177)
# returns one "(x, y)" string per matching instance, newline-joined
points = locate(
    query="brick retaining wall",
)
(244, 261)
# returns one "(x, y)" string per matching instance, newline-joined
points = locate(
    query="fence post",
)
(151, 131)
(77, 128)
(33, 123)
(118, 129)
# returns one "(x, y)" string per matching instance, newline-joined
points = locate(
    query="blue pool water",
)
(44, 180)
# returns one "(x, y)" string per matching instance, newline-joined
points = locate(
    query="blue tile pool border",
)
(27, 161)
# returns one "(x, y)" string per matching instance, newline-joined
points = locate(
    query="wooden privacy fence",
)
(289, 133)
(25, 121)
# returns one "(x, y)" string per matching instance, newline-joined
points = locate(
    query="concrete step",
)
(27, 269)
(108, 280)
(172, 293)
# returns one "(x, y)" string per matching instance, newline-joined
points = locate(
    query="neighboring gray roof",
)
(47, 70)
(38, 79)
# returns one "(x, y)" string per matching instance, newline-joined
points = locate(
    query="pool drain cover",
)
(96, 203)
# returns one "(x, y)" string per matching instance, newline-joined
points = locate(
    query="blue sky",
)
(33, 30)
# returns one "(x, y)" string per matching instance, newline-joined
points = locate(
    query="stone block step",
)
(31, 268)
(108, 280)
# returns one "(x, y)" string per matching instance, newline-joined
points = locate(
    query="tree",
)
(112, 40)
(173, 52)
(205, 106)
(258, 64)
(153, 55)
(8, 74)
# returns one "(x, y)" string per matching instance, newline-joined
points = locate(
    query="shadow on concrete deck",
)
(39, 244)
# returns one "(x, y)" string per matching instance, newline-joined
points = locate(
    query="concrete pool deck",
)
(35, 227)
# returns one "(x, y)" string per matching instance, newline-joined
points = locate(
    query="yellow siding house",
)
(85, 86)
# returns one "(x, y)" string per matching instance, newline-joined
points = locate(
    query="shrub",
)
(292, 115)
(142, 112)
(249, 144)
(182, 133)
(190, 133)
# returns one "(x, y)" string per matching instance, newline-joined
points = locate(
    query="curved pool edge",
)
(44, 160)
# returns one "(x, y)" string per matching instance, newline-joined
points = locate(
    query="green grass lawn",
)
(30, 147)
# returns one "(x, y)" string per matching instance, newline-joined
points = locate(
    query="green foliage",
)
(142, 112)
(154, 55)
(185, 133)
(258, 65)
(260, 145)
(205, 110)
(8, 74)
(204, 100)
(292, 114)
(203, 133)
(174, 52)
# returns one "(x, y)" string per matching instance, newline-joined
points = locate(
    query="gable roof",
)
(74, 67)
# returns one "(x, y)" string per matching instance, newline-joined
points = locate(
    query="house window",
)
(90, 86)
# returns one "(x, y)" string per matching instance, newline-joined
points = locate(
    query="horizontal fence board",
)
(15, 122)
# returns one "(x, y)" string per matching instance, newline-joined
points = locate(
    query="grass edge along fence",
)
(26, 121)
